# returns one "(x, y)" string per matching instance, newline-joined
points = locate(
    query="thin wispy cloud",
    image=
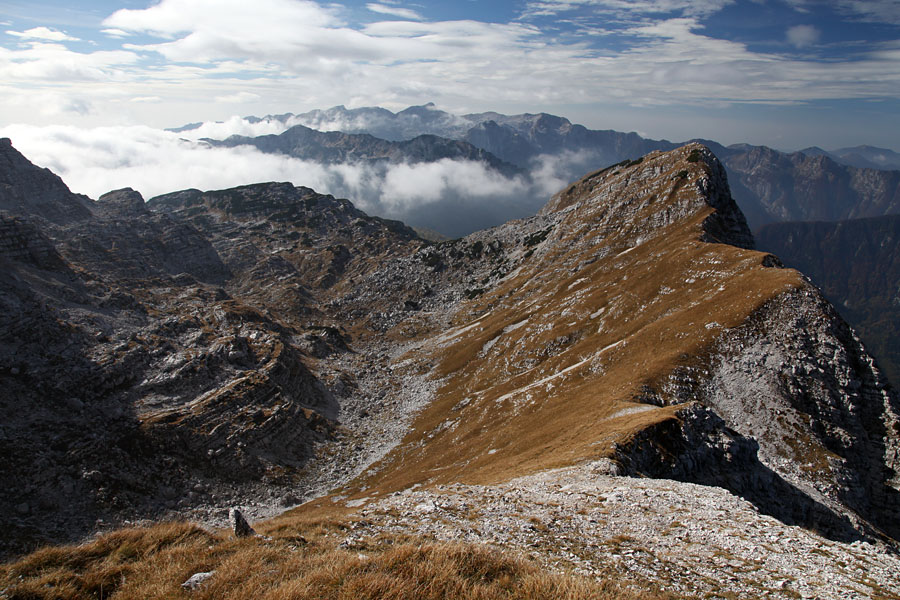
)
(394, 11)
(626, 7)
(238, 98)
(874, 11)
(803, 36)
(43, 33)
(115, 33)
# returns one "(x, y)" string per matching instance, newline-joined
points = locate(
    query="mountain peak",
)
(123, 202)
(29, 190)
(671, 186)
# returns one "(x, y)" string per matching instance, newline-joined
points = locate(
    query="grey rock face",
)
(27, 190)
(798, 366)
(22, 241)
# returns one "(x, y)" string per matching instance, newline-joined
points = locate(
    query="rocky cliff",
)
(857, 264)
(148, 367)
(267, 344)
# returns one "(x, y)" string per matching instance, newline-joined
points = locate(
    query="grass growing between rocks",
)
(302, 559)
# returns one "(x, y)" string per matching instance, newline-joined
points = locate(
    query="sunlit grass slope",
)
(549, 368)
(299, 559)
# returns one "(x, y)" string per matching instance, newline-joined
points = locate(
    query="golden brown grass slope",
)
(547, 369)
(296, 561)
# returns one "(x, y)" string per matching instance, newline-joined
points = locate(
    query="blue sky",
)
(786, 73)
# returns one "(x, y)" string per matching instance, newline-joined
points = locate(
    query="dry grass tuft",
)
(97, 569)
(153, 563)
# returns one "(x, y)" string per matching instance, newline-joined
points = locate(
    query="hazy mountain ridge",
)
(769, 185)
(338, 147)
(300, 346)
(863, 157)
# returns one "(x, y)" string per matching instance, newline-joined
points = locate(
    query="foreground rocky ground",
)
(687, 539)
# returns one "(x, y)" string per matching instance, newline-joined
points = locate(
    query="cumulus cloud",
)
(406, 185)
(53, 62)
(669, 61)
(43, 33)
(803, 36)
(210, 30)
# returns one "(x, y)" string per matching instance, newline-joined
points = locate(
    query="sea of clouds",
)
(453, 197)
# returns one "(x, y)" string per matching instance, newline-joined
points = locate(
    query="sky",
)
(784, 73)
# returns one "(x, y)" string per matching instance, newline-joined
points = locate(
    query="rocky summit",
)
(619, 380)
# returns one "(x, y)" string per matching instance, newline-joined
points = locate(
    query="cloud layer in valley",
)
(453, 197)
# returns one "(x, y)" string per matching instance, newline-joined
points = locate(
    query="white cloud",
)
(93, 161)
(291, 55)
(803, 36)
(394, 11)
(406, 185)
(53, 62)
(43, 33)
(49, 104)
(236, 125)
(116, 33)
(238, 98)
(208, 30)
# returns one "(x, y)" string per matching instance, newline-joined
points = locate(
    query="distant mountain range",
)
(864, 157)
(335, 147)
(769, 185)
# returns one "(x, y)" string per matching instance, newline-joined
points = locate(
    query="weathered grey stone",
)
(196, 580)
(239, 524)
